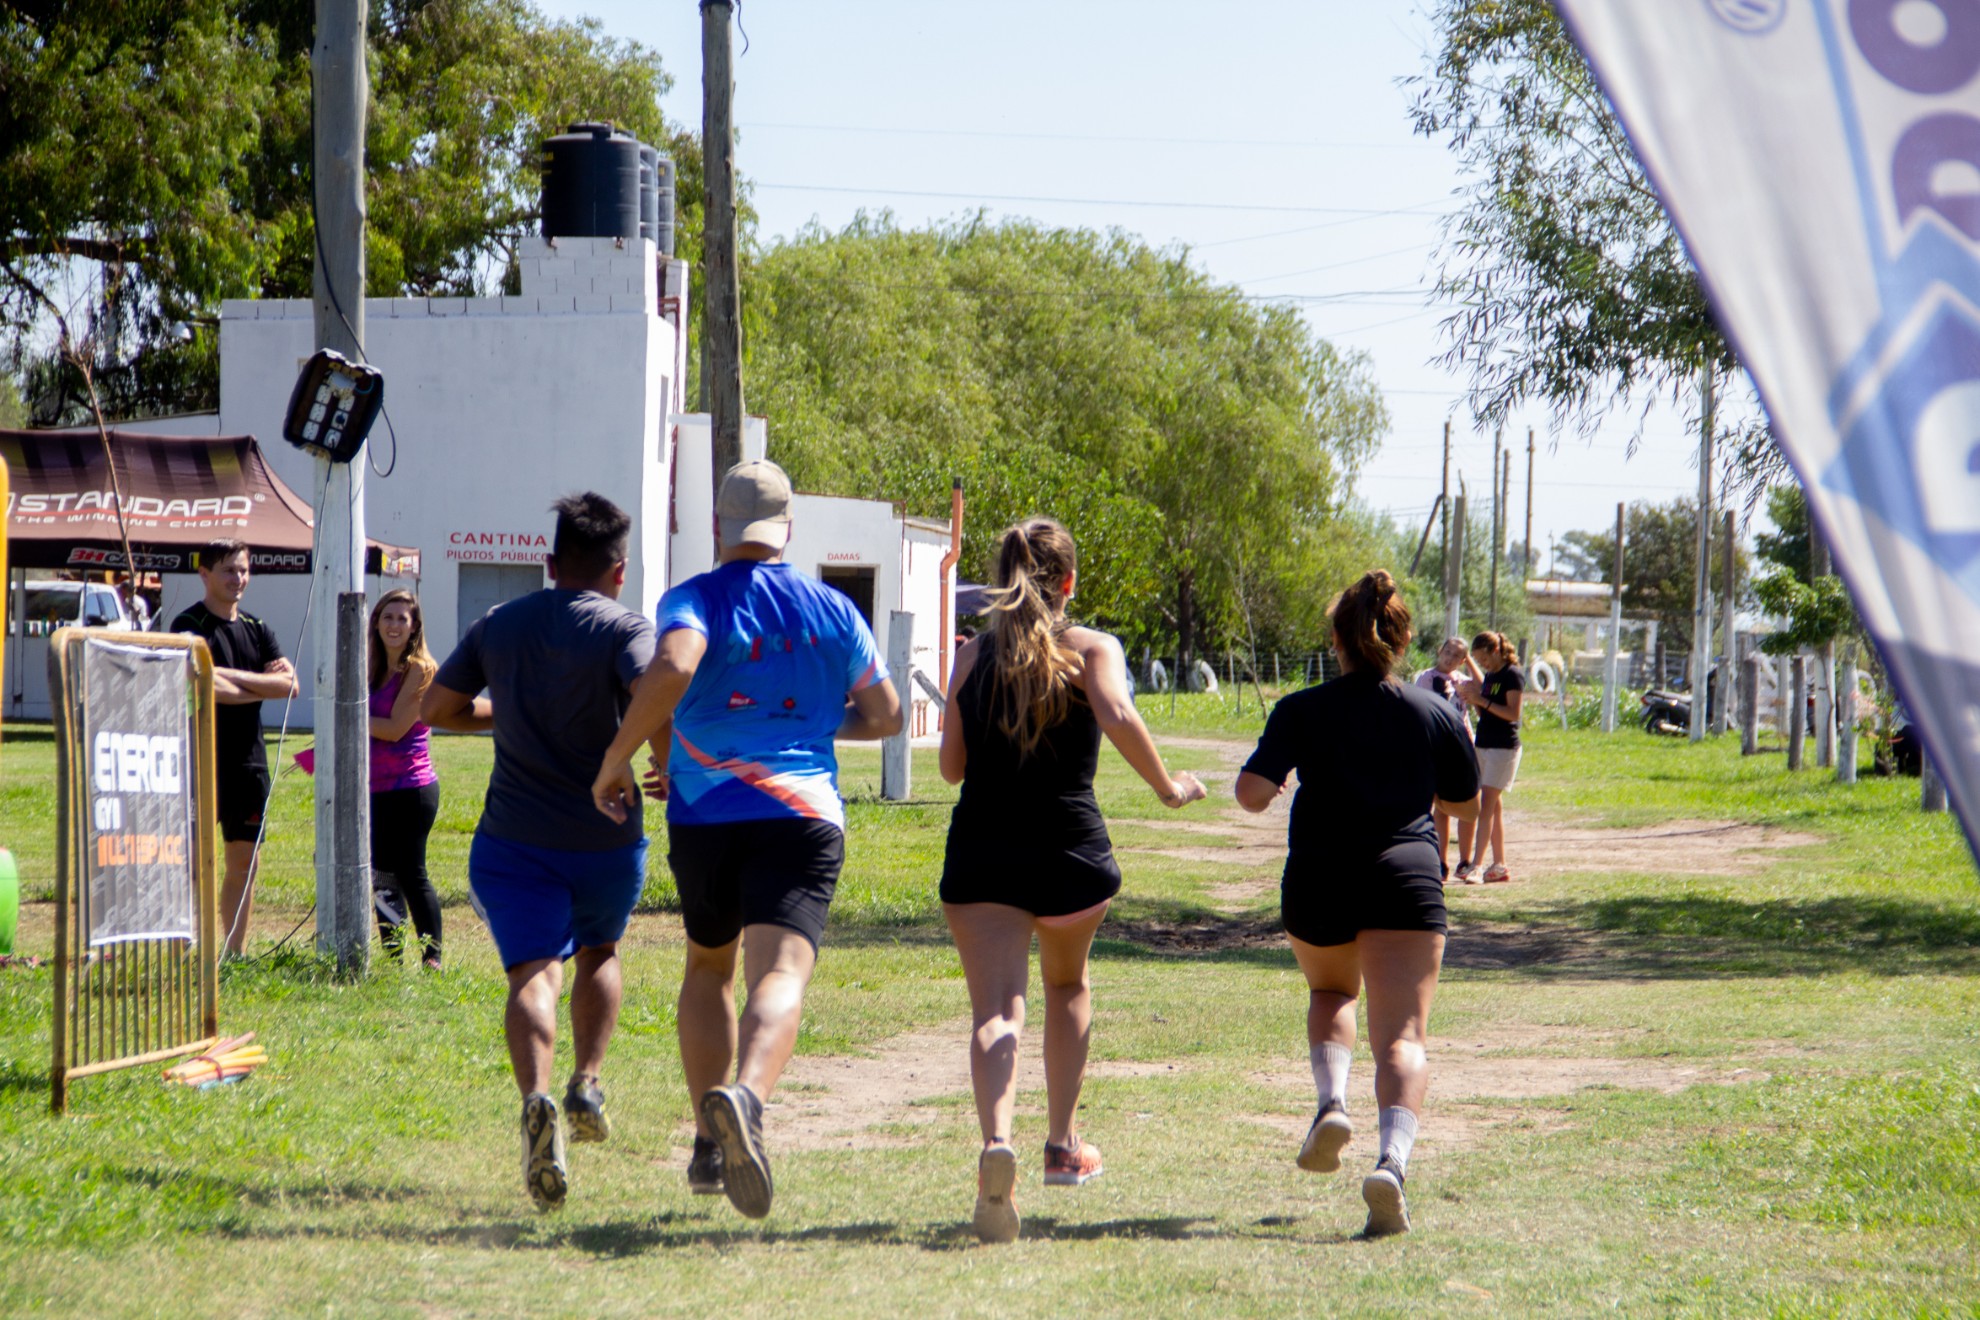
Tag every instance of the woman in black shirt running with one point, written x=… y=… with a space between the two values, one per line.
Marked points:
x=1028 y=853
x=1363 y=898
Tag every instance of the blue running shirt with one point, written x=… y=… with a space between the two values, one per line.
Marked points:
x=753 y=733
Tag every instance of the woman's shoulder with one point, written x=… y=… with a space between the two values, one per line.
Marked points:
x=1090 y=641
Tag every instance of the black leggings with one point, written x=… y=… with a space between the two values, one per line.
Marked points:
x=401 y=818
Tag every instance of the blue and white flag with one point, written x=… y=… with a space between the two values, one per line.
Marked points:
x=1821 y=159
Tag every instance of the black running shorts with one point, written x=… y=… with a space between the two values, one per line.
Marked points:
x=779 y=872
x=243 y=794
x=1326 y=902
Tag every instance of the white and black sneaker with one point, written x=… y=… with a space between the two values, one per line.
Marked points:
x=735 y=1116
x=1326 y=1139
x=1388 y=1211
x=704 y=1172
x=584 y=1110
x=544 y=1170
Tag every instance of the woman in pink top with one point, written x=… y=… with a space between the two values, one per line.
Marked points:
x=405 y=793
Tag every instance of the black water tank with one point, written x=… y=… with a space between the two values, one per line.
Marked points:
x=649 y=192
x=663 y=190
x=591 y=184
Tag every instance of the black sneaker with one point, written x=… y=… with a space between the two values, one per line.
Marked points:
x=1466 y=874
x=1329 y=1135
x=543 y=1151
x=584 y=1111
x=1388 y=1212
x=735 y=1116
x=705 y=1168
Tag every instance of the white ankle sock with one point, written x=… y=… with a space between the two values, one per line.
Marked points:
x=1330 y=1072
x=1398 y=1128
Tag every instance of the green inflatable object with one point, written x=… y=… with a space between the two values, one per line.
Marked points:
x=10 y=899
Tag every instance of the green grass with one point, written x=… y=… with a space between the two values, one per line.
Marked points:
x=370 y=1169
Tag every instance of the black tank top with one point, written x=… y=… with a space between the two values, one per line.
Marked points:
x=1038 y=806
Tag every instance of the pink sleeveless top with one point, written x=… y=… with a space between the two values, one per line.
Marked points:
x=401 y=764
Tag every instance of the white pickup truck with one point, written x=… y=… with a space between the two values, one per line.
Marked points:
x=42 y=606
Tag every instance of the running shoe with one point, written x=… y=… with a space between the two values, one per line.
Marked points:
x=1466 y=873
x=1069 y=1166
x=543 y=1151
x=705 y=1168
x=584 y=1111
x=735 y=1116
x=996 y=1195
x=1497 y=874
x=1329 y=1135
x=1388 y=1212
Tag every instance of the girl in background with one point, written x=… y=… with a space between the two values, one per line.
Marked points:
x=1496 y=697
x=405 y=792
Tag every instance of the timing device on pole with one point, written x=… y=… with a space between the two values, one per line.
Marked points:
x=333 y=406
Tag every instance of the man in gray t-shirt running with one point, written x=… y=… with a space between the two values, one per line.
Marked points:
x=550 y=874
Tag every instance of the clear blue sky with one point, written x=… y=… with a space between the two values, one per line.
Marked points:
x=1271 y=137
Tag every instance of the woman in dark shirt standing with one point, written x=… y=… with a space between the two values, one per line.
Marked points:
x=1028 y=852
x=1497 y=696
x=1363 y=898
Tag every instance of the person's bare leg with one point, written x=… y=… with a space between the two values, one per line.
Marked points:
x=1498 y=827
x=994 y=943
x=595 y=993
x=530 y=1021
x=1333 y=981
x=1443 y=837
x=1400 y=970
x=1467 y=832
x=1486 y=829
x=237 y=894
x=1062 y=967
x=777 y=965
x=705 y=1019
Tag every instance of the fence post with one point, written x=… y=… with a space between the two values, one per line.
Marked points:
x=1931 y=788
x=1561 y=686
x=1749 y=706
x=1825 y=707
x=1797 y=722
x=896 y=754
x=1846 y=723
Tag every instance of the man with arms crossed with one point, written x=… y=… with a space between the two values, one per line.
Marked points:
x=551 y=877
x=248 y=669
x=759 y=668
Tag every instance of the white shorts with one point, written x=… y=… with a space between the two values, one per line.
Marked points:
x=1498 y=767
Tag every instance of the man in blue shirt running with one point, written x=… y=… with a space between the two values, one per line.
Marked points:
x=759 y=668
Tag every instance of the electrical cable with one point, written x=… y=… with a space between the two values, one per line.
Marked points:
x=1364 y=212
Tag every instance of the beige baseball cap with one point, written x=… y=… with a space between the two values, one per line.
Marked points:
x=755 y=505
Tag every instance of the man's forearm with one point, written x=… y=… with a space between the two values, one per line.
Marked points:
x=257 y=687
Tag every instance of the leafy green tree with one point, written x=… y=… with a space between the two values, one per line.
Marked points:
x=1814 y=609
x=1191 y=439
x=156 y=153
x=1660 y=562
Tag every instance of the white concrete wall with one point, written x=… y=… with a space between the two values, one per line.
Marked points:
x=693 y=549
x=500 y=405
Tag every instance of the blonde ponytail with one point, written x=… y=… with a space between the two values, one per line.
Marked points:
x=1027 y=615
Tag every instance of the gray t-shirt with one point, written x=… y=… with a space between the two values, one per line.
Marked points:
x=558 y=666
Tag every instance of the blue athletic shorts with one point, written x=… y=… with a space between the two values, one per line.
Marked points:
x=550 y=902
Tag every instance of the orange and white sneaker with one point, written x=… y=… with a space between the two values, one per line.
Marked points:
x=1497 y=874
x=1069 y=1166
x=996 y=1195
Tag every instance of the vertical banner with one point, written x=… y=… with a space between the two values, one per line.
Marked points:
x=134 y=711
x=1821 y=159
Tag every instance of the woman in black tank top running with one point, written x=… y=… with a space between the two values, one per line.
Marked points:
x=1028 y=853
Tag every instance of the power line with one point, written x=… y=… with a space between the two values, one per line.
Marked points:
x=1338 y=265
x=1362 y=212
x=895 y=131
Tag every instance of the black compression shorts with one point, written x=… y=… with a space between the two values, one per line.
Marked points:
x=1325 y=903
x=243 y=794
x=780 y=872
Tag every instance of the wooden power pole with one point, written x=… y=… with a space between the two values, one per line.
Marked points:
x=721 y=322
x=1701 y=594
x=1444 y=500
x=343 y=807
x=1526 y=550
x=1498 y=526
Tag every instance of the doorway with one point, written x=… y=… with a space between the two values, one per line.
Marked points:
x=484 y=586
x=856 y=583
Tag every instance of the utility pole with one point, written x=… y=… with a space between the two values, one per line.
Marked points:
x=1701 y=592
x=1444 y=498
x=1728 y=643
x=1492 y=593
x=1611 y=681
x=1526 y=553
x=1454 y=569
x=1825 y=657
x=343 y=824
x=1505 y=525
x=721 y=324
